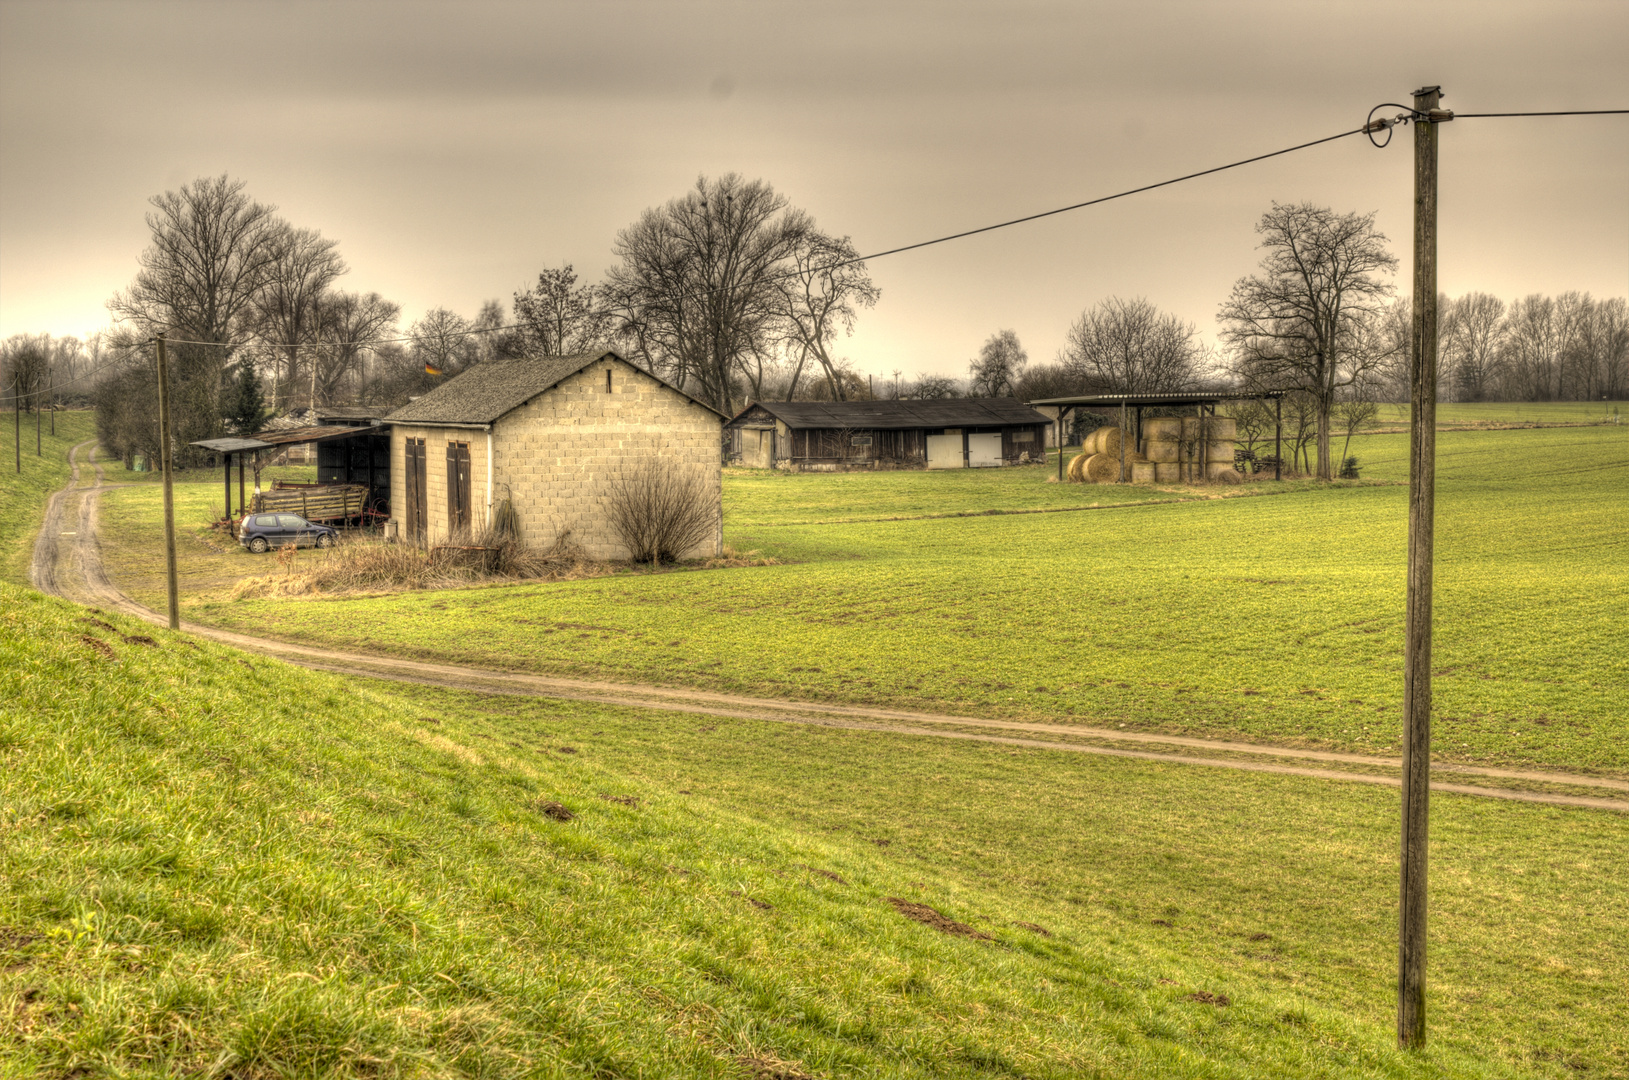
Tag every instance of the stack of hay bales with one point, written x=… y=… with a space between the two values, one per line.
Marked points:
x=1100 y=456
x=1190 y=448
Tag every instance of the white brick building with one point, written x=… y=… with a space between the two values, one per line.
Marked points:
x=551 y=435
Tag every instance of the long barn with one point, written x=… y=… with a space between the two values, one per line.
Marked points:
x=830 y=436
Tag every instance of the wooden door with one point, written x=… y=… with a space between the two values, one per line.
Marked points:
x=457 y=487
x=416 y=507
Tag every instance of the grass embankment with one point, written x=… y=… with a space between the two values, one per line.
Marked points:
x=23 y=494
x=1273 y=618
x=225 y=865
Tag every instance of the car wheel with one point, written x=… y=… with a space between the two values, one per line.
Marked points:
x=258 y=545
x=325 y=540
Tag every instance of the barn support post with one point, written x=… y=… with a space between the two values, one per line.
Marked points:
x=241 y=503
x=1058 y=438
x=226 y=460
x=1411 y=938
x=1122 y=441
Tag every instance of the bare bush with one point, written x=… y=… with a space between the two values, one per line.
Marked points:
x=662 y=510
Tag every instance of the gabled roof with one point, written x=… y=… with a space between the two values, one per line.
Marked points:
x=487 y=391
x=946 y=412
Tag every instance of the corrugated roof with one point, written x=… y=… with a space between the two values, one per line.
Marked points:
x=1116 y=400
x=319 y=433
x=231 y=445
x=948 y=412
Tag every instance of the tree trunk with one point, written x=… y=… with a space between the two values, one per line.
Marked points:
x=1324 y=409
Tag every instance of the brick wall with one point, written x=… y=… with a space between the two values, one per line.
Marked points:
x=558 y=456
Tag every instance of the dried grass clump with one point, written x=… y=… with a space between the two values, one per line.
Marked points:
x=730 y=558
x=375 y=566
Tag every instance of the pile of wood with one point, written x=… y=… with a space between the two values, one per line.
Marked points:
x=314 y=502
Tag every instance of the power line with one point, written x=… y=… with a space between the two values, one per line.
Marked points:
x=1566 y=112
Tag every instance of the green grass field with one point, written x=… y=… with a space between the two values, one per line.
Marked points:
x=1277 y=617
x=224 y=865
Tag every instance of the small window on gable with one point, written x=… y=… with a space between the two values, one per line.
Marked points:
x=607 y=380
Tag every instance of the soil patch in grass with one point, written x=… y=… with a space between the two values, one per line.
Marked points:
x=941 y=922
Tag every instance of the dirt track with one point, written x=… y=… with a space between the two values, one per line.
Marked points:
x=75 y=572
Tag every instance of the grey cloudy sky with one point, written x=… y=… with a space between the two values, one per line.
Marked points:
x=454 y=149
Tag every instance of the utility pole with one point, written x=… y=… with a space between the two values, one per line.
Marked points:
x=17 y=418
x=169 y=491
x=1422 y=474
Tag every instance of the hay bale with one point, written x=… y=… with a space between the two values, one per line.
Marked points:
x=1162 y=429
x=1142 y=472
x=1167 y=472
x=1191 y=428
x=1076 y=464
x=1101 y=469
x=1223 y=429
x=1161 y=450
x=1219 y=470
x=1219 y=450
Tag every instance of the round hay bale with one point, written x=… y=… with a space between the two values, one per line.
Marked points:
x=1167 y=472
x=1161 y=450
x=1162 y=429
x=1220 y=451
x=1224 y=429
x=1076 y=464
x=1142 y=472
x=1191 y=426
x=1101 y=469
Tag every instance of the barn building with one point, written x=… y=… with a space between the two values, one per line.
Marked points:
x=833 y=436
x=551 y=435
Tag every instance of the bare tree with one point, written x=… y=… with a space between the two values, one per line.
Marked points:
x=1131 y=347
x=694 y=294
x=303 y=266
x=820 y=292
x=353 y=326
x=999 y=364
x=441 y=340
x=210 y=252
x=559 y=317
x=1305 y=322
x=1472 y=335
x=934 y=388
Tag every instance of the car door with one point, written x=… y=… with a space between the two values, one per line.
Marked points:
x=297 y=530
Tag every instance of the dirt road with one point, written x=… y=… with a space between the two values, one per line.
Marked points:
x=74 y=571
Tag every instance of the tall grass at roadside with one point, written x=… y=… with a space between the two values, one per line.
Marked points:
x=369 y=564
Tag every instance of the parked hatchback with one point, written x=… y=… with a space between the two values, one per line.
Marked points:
x=261 y=532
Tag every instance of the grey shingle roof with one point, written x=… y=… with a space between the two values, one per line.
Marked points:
x=949 y=412
x=487 y=391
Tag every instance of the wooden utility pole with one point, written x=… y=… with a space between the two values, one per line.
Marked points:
x=17 y=419
x=1422 y=475
x=169 y=491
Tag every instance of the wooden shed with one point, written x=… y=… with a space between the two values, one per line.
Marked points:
x=831 y=436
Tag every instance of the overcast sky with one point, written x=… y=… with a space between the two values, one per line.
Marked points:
x=455 y=149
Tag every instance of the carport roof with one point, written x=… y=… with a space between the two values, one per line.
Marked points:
x=232 y=445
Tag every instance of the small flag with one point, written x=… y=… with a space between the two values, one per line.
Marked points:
x=431 y=369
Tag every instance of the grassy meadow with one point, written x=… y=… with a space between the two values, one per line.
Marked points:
x=1274 y=615
x=218 y=864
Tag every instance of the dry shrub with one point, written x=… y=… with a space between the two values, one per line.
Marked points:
x=375 y=566
x=731 y=558
x=661 y=509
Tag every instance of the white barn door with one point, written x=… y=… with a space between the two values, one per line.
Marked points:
x=983 y=451
x=945 y=451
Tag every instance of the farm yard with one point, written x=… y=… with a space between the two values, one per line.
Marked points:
x=1274 y=617
x=1128 y=899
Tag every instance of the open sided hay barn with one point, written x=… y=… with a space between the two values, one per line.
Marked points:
x=833 y=436
x=554 y=436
